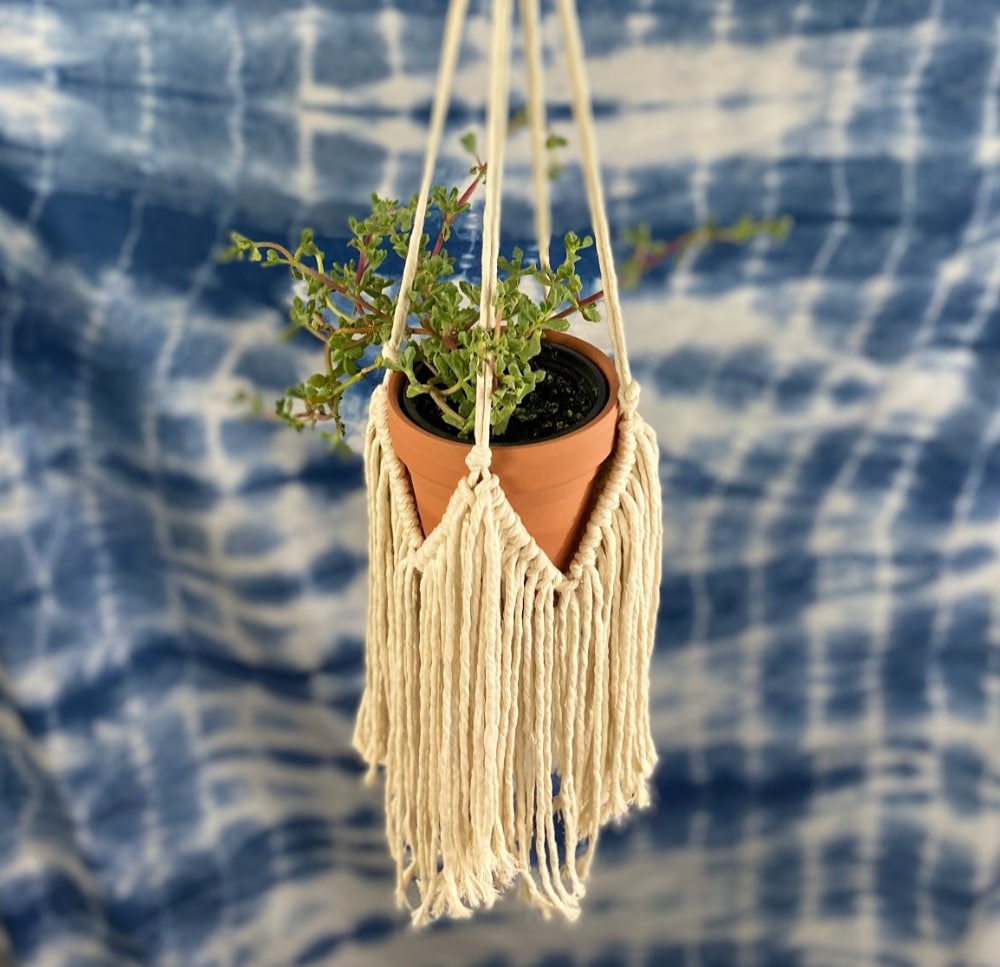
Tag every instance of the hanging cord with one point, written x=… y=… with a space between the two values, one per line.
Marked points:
x=479 y=458
x=536 y=120
x=628 y=392
x=446 y=76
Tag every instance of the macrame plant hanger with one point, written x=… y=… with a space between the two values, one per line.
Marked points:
x=507 y=701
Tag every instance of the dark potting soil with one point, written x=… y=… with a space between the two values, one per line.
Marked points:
x=570 y=395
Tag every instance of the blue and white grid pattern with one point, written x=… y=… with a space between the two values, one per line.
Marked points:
x=182 y=592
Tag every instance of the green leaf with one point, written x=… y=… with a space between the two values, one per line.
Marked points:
x=337 y=443
x=534 y=346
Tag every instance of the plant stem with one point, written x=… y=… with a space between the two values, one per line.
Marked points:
x=315 y=332
x=312 y=416
x=359 y=375
x=356 y=378
x=302 y=267
x=665 y=250
x=569 y=310
x=362 y=264
x=466 y=195
x=359 y=302
x=441 y=402
x=649 y=260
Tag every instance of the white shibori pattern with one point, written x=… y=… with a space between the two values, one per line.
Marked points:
x=182 y=593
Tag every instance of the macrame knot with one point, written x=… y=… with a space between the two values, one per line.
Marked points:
x=628 y=396
x=479 y=459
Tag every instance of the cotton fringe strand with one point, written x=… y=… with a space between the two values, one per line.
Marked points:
x=490 y=673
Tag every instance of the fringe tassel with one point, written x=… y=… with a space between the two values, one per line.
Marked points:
x=489 y=674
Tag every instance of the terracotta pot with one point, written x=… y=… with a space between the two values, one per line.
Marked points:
x=550 y=484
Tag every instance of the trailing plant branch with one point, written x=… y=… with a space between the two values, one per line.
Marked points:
x=285 y=257
x=647 y=254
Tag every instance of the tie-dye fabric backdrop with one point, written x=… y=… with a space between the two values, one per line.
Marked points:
x=182 y=591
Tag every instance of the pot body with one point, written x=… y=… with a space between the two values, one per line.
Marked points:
x=550 y=484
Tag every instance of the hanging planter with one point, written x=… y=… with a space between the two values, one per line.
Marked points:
x=514 y=523
x=513 y=600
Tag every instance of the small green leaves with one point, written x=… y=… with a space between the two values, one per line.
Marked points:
x=240 y=246
x=779 y=228
x=747 y=228
x=349 y=306
x=307 y=246
x=337 y=443
x=250 y=402
x=519 y=119
x=468 y=141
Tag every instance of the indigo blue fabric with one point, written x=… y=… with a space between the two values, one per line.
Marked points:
x=182 y=591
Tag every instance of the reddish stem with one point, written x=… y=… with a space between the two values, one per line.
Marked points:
x=569 y=310
x=465 y=196
x=362 y=264
x=646 y=262
x=359 y=303
x=665 y=251
x=304 y=269
x=312 y=416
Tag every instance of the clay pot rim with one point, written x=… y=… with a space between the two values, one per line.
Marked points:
x=582 y=346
